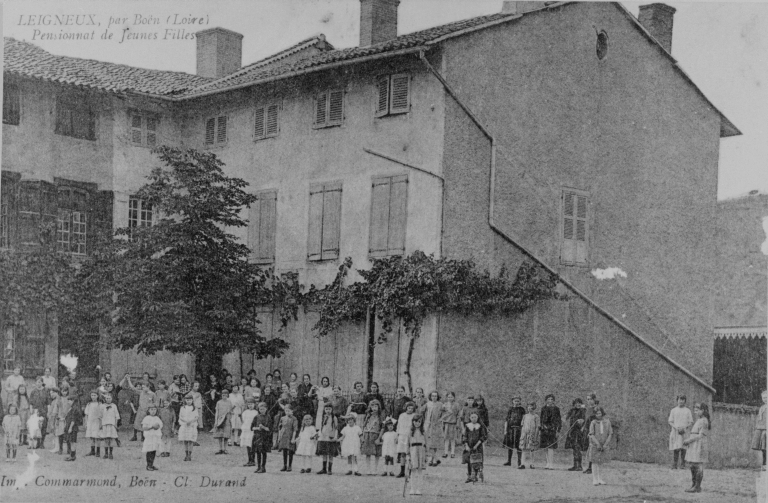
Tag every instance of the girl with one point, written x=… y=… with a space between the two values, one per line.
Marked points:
x=373 y=422
x=166 y=415
x=304 y=393
x=284 y=400
x=474 y=436
x=449 y=416
x=109 y=418
x=197 y=401
x=529 y=434
x=698 y=446
x=417 y=452
x=270 y=399
x=246 y=437
x=262 y=437
x=189 y=419
x=11 y=431
x=482 y=411
x=388 y=441
x=33 y=428
x=589 y=415
x=59 y=409
x=403 y=432
x=93 y=424
x=600 y=434
x=339 y=403
x=286 y=438
x=294 y=382
x=357 y=402
x=268 y=381
x=39 y=398
x=574 y=440
x=323 y=393
x=175 y=390
x=72 y=422
x=680 y=419
x=512 y=428
x=758 y=438
x=398 y=404
x=146 y=397
x=151 y=426
x=551 y=423
x=211 y=397
x=277 y=379
x=373 y=394
x=420 y=400
x=253 y=390
x=21 y=400
x=327 y=445
x=433 y=427
x=350 y=443
x=222 y=424
x=306 y=445
x=238 y=405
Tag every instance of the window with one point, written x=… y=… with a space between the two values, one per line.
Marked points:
x=36 y=205
x=262 y=220
x=266 y=122
x=5 y=221
x=329 y=108
x=139 y=213
x=393 y=94
x=143 y=128
x=72 y=220
x=324 y=221
x=575 y=228
x=24 y=345
x=216 y=130
x=389 y=200
x=75 y=118
x=11 y=104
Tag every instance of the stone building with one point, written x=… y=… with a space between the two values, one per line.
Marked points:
x=560 y=133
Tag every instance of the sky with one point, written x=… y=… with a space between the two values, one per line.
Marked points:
x=722 y=46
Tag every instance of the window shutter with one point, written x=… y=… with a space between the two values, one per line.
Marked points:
x=100 y=209
x=321 y=103
x=568 y=246
x=259 y=129
x=29 y=206
x=152 y=123
x=136 y=128
x=581 y=229
x=331 y=221
x=380 y=195
x=336 y=107
x=210 y=131
x=254 y=227
x=221 y=129
x=63 y=118
x=399 y=101
x=272 y=120
x=11 y=104
x=315 y=235
x=398 y=209
x=267 y=226
x=382 y=95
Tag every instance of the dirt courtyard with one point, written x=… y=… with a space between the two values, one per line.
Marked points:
x=177 y=481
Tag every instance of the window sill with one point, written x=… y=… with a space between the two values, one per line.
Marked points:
x=326 y=126
x=262 y=138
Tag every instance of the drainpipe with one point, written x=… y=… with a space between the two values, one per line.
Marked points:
x=570 y=286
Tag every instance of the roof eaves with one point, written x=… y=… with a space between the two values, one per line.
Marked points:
x=307 y=42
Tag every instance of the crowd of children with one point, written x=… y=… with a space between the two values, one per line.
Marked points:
x=309 y=421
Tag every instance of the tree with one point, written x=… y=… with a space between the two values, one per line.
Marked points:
x=185 y=284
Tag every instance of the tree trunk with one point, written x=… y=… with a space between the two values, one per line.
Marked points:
x=408 y=364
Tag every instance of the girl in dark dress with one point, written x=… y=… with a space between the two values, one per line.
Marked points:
x=373 y=394
x=304 y=395
x=512 y=428
x=262 y=437
x=210 y=397
x=482 y=411
x=575 y=439
x=474 y=436
x=551 y=423
x=357 y=400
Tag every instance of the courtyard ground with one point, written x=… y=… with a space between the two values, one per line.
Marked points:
x=186 y=482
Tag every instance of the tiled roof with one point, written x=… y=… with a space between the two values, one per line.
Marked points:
x=317 y=41
x=29 y=60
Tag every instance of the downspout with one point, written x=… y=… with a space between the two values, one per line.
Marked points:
x=532 y=255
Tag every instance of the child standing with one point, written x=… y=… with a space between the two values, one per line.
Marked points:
x=600 y=434
x=151 y=427
x=327 y=444
x=433 y=427
x=388 y=443
x=238 y=405
x=262 y=437
x=306 y=445
x=449 y=418
x=93 y=424
x=222 y=424
x=72 y=422
x=403 y=433
x=109 y=418
x=513 y=428
x=59 y=409
x=189 y=417
x=698 y=446
x=350 y=443
x=166 y=414
x=551 y=423
x=246 y=437
x=11 y=432
x=574 y=439
x=758 y=438
x=475 y=434
x=529 y=434
x=286 y=437
x=680 y=419
x=418 y=453
x=33 y=429
x=146 y=397
x=21 y=400
x=372 y=424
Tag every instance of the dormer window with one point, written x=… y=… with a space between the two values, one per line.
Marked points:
x=393 y=94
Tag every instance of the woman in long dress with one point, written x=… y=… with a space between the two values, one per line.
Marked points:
x=433 y=427
x=323 y=393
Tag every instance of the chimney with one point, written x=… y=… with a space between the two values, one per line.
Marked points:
x=657 y=18
x=378 y=21
x=513 y=7
x=219 y=52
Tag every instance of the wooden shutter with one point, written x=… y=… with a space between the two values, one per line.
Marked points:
x=11 y=104
x=581 y=229
x=331 y=221
x=398 y=209
x=336 y=107
x=568 y=253
x=399 y=101
x=221 y=129
x=315 y=235
x=575 y=238
x=136 y=130
x=259 y=127
x=210 y=131
x=101 y=211
x=379 y=232
x=254 y=227
x=272 y=120
x=265 y=251
x=321 y=104
x=63 y=118
x=382 y=95
x=152 y=122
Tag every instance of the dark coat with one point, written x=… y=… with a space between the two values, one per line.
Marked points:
x=576 y=438
x=551 y=423
x=262 y=439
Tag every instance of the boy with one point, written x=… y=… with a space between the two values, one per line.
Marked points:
x=680 y=419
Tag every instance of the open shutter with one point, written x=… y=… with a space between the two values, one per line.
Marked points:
x=581 y=229
x=254 y=228
x=101 y=211
x=135 y=120
x=315 y=235
x=272 y=120
x=382 y=95
x=331 y=221
x=398 y=209
x=210 y=131
x=399 y=101
x=267 y=226
x=152 y=123
x=321 y=104
x=336 y=107
x=259 y=127
x=568 y=248
x=380 y=194
x=221 y=129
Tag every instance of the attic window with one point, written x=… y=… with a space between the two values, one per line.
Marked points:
x=602 y=45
